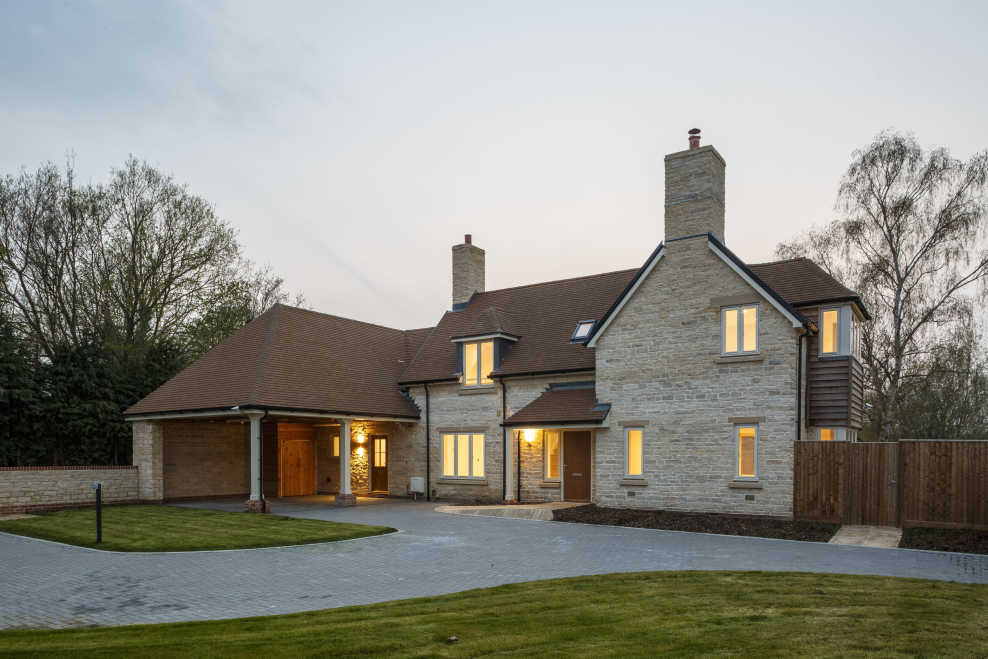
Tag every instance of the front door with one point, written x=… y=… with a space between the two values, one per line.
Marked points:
x=296 y=467
x=576 y=465
x=379 y=464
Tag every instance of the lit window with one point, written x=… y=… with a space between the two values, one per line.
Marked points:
x=551 y=448
x=336 y=446
x=747 y=451
x=840 y=332
x=634 y=452
x=739 y=327
x=463 y=455
x=582 y=330
x=478 y=362
x=380 y=452
x=833 y=434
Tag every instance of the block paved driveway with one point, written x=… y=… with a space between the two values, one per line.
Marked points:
x=44 y=584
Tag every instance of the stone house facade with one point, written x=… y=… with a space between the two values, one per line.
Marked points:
x=681 y=384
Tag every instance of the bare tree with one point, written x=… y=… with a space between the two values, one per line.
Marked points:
x=911 y=239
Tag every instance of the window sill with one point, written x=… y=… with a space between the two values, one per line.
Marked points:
x=480 y=389
x=738 y=359
x=463 y=481
x=745 y=485
x=833 y=358
x=633 y=482
x=549 y=485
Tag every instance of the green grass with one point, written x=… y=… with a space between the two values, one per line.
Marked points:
x=169 y=528
x=645 y=614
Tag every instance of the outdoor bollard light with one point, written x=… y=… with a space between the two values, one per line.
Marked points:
x=99 y=512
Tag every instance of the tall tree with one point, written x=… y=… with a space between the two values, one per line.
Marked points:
x=910 y=238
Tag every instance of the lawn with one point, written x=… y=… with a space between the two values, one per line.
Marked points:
x=169 y=528
x=644 y=614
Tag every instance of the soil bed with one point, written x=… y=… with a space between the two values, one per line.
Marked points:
x=762 y=527
x=965 y=540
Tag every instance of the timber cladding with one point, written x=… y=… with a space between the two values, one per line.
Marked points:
x=908 y=483
x=834 y=385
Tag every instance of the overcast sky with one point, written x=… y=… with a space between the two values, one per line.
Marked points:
x=352 y=144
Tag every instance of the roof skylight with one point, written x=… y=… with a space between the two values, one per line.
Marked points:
x=582 y=330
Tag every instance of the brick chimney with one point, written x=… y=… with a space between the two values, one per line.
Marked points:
x=695 y=191
x=468 y=271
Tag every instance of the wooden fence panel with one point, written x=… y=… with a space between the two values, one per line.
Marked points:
x=945 y=483
x=819 y=481
x=871 y=487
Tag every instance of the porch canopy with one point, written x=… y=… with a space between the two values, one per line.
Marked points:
x=560 y=405
x=293 y=362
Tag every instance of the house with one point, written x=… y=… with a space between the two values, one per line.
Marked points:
x=681 y=384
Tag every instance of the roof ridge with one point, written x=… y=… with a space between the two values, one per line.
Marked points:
x=559 y=281
x=330 y=315
x=797 y=258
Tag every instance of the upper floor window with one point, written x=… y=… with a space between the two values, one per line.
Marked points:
x=840 y=333
x=739 y=329
x=478 y=362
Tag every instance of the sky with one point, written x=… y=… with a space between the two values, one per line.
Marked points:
x=352 y=144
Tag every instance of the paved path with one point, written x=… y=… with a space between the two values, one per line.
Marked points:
x=868 y=536
x=44 y=584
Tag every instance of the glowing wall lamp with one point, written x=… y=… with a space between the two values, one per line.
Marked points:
x=361 y=439
x=528 y=434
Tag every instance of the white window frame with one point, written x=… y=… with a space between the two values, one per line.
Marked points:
x=840 y=434
x=737 y=452
x=480 y=364
x=723 y=329
x=456 y=461
x=545 y=455
x=848 y=338
x=627 y=435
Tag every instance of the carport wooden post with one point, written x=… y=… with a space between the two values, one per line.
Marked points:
x=345 y=496
x=254 y=504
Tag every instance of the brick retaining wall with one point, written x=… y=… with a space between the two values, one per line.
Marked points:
x=28 y=489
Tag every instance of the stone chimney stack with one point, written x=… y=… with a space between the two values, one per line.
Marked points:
x=695 y=191
x=468 y=271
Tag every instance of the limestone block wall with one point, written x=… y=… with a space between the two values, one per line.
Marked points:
x=659 y=366
x=148 y=457
x=205 y=459
x=406 y=455
x=27 y=489
x=454 y=408
x=534 y=487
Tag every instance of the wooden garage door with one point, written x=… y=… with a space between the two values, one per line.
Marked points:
x=297 y=460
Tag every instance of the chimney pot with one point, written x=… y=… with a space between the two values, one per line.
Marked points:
x=694 y=138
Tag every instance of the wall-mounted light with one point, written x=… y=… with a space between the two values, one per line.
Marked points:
x=360 y=451
x=361 y=439
x=528 y=434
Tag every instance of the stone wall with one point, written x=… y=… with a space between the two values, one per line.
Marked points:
x=27 y=489
x=206 y=459
x=659 y=366
x=454 y=408
x=534 y=486
x=147 y=456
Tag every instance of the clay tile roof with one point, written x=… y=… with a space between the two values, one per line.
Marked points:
x=295 y=359
x=801 y=280
x=558 y=406
x=543 y=316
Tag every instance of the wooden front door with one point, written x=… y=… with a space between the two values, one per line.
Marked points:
x=296 y=465
x=576 y=465
x=379 y=464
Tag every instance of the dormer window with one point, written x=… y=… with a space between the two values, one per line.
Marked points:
x=582 y=331
x=739 y=330
x=478 y=362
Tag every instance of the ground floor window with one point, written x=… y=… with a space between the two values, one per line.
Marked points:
x=746 y=439
x=336 y=446
x=634 y=452
x=463 y=455
x=837 y=435
x=551 y=450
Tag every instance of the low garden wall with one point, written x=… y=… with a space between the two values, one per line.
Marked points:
x=27 y=489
